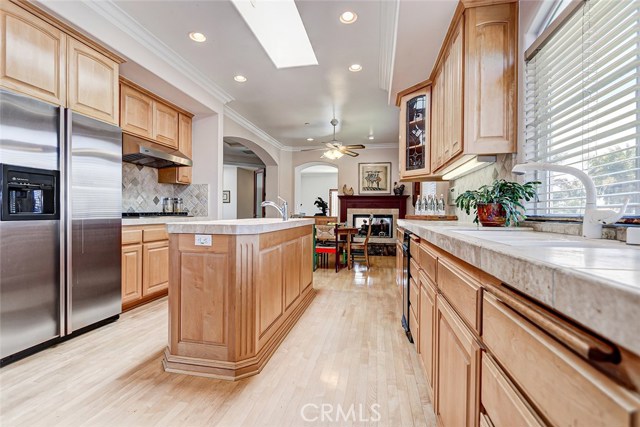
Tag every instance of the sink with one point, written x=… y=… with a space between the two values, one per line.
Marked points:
x=521 y=237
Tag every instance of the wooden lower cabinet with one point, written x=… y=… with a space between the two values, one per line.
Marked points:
x=131 y=273
x=145 y=264
x=156 y=267
x=458 y=370
x=427 y=328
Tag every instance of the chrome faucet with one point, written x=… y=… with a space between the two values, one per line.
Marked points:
x=282 y=210
x=594 y=218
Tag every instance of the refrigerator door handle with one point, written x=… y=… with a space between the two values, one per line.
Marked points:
x=62 y=188
x=68 y=216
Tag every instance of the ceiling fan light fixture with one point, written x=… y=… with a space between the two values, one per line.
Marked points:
x=332 y=154
x=355 y=68
x=348 y=17
x=197 y=37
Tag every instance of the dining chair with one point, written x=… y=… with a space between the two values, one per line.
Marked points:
x=361 y=250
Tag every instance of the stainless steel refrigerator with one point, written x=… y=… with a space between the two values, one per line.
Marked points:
x=60 y=227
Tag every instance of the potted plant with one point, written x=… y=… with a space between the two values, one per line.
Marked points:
x=498 y=204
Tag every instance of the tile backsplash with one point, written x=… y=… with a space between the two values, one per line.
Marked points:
x=141 y=192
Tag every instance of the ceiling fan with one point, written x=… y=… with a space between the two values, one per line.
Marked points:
x=335 y=149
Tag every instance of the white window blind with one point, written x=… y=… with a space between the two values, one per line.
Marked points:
x=582 y=99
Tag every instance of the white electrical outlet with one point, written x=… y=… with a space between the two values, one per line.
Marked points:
x=203 y=240
x=453 y=195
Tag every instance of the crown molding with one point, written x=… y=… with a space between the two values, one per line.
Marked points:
x=245 y=123
x=389 y=11
x=119 y=18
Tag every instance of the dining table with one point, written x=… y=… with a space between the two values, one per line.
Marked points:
x=346 y=232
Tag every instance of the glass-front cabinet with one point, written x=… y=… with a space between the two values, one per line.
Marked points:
x=415 y=132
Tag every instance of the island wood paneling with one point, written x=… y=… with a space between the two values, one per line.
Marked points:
x=233 y=302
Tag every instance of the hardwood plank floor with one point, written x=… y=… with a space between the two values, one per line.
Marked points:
x=348 y=352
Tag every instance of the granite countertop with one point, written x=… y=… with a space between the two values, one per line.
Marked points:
x=149 y=220
x=236 y=226
x=594 y=281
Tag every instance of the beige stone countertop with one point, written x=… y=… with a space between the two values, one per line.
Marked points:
x=237 y=226
x=150 y=220
x=594 y=281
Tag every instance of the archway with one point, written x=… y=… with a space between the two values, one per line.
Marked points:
x=312 y=180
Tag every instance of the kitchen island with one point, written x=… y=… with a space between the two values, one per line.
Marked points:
x=237 y=287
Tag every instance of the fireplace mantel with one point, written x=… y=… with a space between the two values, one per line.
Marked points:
x=372 y=202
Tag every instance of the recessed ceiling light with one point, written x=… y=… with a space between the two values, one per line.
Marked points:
x=279 y=29
x=371 y=137
x=197 y=37
x=355 y=68
x=309 y=139
x=348 y=17
x=240 y=79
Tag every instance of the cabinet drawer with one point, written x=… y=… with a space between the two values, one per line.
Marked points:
x=414 y=269
x=462 y=291
x=564 y=388
x=152 y=234
x=503 y=402
x=131 y=236
x=414 y=295
x=428 y=261
x=414 y=248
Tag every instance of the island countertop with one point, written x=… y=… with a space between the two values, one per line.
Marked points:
x=594 y=281
x=237 y=226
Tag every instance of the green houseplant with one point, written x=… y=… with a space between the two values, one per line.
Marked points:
x=498 y=204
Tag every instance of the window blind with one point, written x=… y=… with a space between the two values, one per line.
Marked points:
x=582 y=99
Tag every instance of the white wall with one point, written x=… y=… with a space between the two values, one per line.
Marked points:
x=230 y=183
x=314 y=185
x=207 y=155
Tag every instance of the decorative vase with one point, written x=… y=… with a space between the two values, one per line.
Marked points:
x=491 y=214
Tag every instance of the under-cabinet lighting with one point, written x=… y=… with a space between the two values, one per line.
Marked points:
x=197 y=37
x=279 y=29
x=348 y=17
x=471 y=165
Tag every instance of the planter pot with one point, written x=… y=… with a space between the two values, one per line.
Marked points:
x=491 y=214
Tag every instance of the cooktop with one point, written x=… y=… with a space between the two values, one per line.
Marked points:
x=146 y=214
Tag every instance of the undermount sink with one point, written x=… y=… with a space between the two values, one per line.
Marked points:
x=527 y=237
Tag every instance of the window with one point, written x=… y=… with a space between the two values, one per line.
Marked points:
x=582 y=95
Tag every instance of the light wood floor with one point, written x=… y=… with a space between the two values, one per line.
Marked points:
x=347 y=349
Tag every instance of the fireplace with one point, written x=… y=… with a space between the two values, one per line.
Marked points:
x=381 y=227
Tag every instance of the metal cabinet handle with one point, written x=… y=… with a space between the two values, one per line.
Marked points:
x=579 y=341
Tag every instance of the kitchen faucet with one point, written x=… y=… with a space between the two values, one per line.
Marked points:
x=593 y=218
x=282 y=210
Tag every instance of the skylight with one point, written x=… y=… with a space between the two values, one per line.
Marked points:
x=279 y=29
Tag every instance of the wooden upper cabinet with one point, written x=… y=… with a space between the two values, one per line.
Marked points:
x=437 y=122
x=33 y=55
x=491 y=86
x=453 y=95
x=415 y=133
x=185 y=135
x=136 y=112
x=165 y=125
x=92 y=83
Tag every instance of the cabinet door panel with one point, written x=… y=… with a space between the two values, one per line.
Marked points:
x=427 y=327
x=415 y=133
x=490 y=87
x=458 y=370
x=270 y=292
x=93 y=83
x=131 y=273
x=136 y=112
x=165 y=125
x=156 y=268
x=33 y=55
x=291 y=251
x=306 y=272
x=185 y=135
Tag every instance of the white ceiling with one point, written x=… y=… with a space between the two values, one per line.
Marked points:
x=280 y=102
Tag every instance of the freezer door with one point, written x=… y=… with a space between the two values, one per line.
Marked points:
x=29 y=284
x=94 y=205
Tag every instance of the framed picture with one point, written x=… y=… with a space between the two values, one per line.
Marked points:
x=226 y=196
x=374 y=178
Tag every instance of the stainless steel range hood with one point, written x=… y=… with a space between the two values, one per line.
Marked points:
x=144 y=153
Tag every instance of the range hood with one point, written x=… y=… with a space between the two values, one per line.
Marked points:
x=144 y=153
